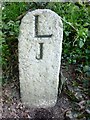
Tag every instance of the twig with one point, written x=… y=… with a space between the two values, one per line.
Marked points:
x=69 y=24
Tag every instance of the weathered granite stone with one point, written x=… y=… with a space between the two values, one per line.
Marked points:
x=40 y=46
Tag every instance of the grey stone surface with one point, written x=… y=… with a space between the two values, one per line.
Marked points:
x=40 y=46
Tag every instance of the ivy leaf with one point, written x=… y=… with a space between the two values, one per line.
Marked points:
x=81 y=43
x=86 y=68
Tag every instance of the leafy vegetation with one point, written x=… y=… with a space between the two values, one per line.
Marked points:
x=75 y=17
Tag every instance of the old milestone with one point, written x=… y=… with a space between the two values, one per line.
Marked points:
x=40 y=48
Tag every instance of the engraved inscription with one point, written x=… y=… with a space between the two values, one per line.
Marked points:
x=40 y=56
x=36 y=29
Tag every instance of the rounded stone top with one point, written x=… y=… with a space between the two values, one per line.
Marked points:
x=48 y=12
